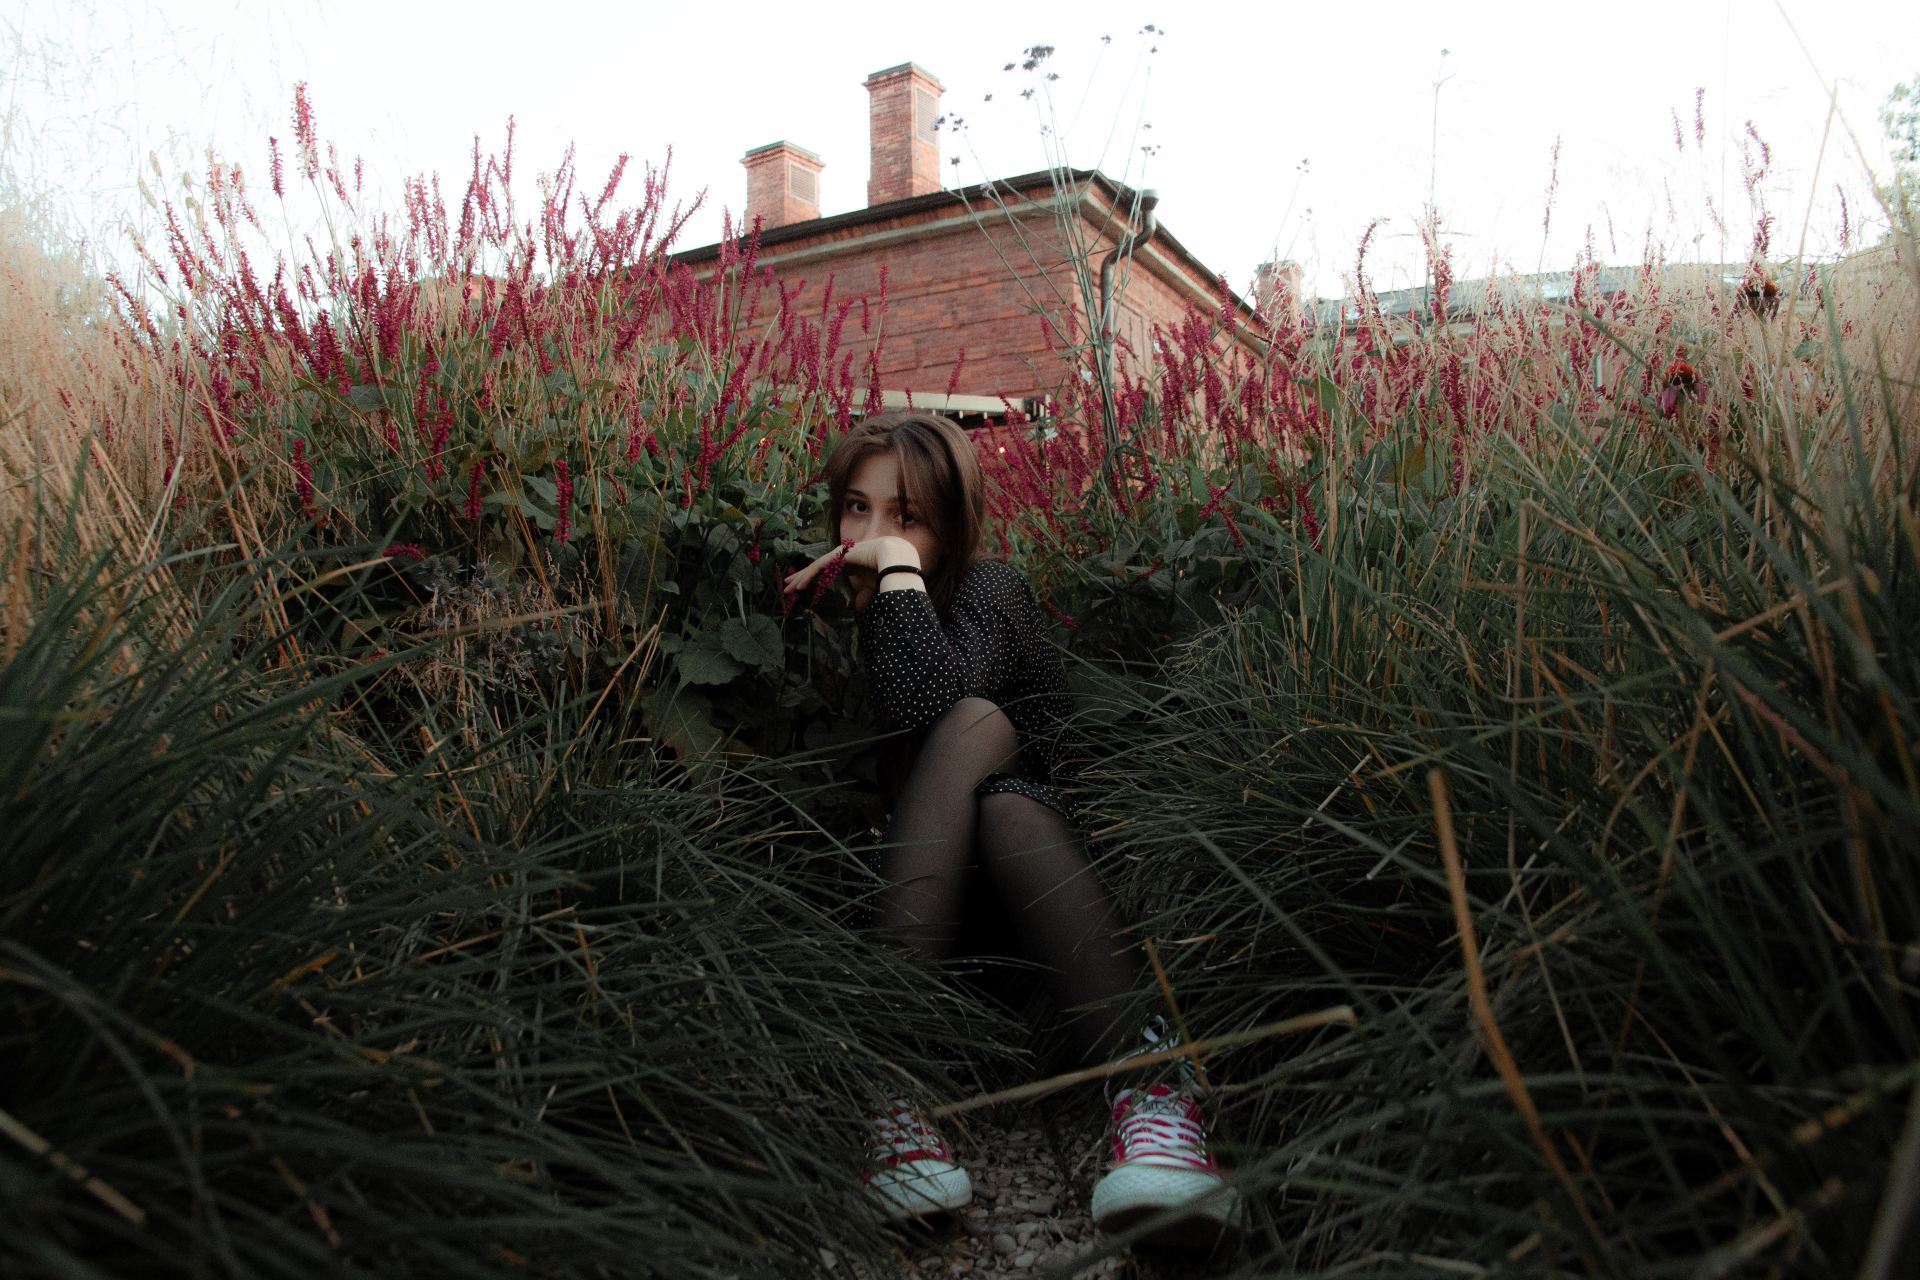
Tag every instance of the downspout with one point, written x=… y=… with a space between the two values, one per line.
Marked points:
x=1146 y=201
x=1133 y=240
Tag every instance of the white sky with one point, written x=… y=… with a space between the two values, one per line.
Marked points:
x=1237 y=96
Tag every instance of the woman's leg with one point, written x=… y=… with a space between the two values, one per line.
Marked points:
x=1036 y=860
x=935 y=817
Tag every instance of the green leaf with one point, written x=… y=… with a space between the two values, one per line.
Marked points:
x=1412 y=467
x=683 y=719
x=1326 y=393
x=367 y=398
x=755 y=641
x=703 y=662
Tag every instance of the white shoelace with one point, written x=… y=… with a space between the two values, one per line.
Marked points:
x=1163 y=1122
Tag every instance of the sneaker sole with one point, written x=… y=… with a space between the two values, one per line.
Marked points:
x=1132 y=1194
x=920 y=1188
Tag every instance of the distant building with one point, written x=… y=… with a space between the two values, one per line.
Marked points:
x=984 y=268
x=1468 y=299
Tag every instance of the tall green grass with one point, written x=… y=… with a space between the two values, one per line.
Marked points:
x=368 y=916
x=295 y=989
x=1668 y=710
x=332 y=943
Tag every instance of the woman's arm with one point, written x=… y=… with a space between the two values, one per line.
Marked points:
x=918 y=667
x=863 y=560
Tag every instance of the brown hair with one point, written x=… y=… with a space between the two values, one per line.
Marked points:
x=939 y=478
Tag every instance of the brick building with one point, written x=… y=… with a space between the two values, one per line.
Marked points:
x=984 y=269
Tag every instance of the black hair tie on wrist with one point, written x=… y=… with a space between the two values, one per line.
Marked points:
x=897 y=568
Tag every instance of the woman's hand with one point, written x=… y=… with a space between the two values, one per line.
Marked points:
x=860 y=560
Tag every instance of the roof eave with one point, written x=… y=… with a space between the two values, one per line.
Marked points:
x=1117 y=192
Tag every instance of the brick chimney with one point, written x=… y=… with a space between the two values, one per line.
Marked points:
x=1276 y=289
x=783 y=185
x=903 y=103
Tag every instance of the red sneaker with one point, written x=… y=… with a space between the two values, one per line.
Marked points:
x=911 y=1171
x=1160 y=1161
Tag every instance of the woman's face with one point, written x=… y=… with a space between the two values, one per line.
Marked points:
x=873 y=508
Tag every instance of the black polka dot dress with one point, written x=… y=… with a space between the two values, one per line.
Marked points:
x=990 y=646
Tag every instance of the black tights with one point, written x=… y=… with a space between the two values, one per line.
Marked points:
x=1032 y=856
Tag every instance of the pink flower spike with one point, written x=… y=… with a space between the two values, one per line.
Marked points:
x=563 y=482
x=830 y=574
x=303 y=478
x=473 y=489
x=1309 y=518
x=305 y=138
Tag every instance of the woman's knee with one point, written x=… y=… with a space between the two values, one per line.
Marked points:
x=1018 y=827
x=1003 y=812
x=980 y=727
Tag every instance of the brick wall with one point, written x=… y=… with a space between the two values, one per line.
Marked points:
x=954 y=284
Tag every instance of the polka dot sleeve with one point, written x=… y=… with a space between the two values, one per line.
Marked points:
x=918 y=667
x=991 y=645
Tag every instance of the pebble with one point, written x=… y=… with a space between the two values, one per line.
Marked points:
x=1030 y=1200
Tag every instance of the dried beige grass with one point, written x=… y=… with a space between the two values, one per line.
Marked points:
x=79 y=418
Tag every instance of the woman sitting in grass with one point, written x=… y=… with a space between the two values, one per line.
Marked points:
x=954 y=651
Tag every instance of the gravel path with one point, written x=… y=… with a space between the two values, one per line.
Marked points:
x=1033 y=1168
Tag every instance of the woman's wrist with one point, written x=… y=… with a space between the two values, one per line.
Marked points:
x=902 y=577
x=899 y=568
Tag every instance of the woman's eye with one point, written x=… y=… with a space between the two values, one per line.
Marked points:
x=856 y=506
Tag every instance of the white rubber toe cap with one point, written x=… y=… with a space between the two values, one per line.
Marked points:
x=1131 y=1193
x=920 y=1187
